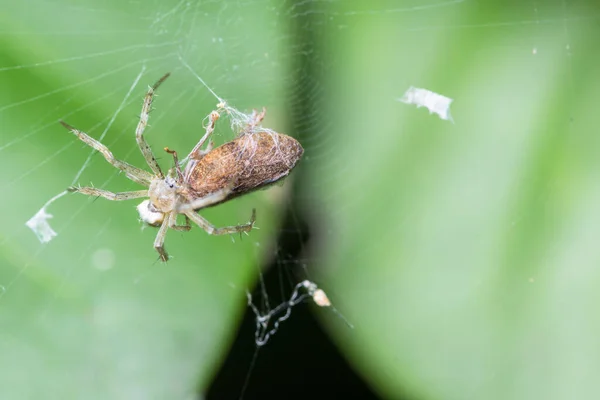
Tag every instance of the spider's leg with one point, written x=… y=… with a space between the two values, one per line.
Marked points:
x=160 y=239
x=173 y=224
x=212 y=230
x=196 y=152
x=135 y=174
x=139 y=131
x=109 y=195
x=196 y=204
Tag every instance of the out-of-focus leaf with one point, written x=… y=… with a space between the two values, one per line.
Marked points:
x=465 y=254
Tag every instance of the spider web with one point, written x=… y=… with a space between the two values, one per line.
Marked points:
x=96 y=289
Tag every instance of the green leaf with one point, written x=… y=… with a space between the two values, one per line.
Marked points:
x=465 y=254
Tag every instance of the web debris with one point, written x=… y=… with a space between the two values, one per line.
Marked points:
x=241 y=123
x=434 y=102
x=263 y=321
x=39 y=222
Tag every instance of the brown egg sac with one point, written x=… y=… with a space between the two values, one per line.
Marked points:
x=247 y=163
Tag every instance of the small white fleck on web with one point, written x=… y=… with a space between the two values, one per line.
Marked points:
x=434 y=102
x=40 y=226
x=39 y=222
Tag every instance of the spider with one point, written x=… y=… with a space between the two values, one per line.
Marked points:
x=254 y=160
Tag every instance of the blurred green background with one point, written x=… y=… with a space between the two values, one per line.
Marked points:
x=465 y=254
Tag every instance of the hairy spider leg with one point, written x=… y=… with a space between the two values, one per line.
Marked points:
x=169 y=221
x=159 y=241
x=208 y=200
x=90 y=191
x=135 y=174
x=196 y=152
x=176 y=227
x=212 y=230
x=139 y=132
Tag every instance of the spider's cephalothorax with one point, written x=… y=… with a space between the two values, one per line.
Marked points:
x=163 y=194
x=257 y=158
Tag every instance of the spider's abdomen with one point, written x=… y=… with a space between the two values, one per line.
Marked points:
x=247 y=163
